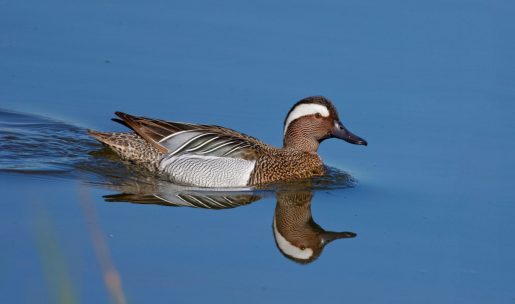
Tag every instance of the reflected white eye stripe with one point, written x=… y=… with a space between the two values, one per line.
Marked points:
x=305 y=109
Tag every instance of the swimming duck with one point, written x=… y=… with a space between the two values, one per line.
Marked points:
x=214 y=156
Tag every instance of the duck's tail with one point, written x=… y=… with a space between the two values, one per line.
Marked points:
x=103 y=137
x=118 y=142
x=129 y=146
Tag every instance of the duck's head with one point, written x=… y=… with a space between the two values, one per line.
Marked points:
x=312 y=120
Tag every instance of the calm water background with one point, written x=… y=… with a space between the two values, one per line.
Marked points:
x=429 y=84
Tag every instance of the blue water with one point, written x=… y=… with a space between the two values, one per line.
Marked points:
x=430 y=86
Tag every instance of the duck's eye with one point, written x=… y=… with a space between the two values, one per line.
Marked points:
x=302 y=247
x=318 y=115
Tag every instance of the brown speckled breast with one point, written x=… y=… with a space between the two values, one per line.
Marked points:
x=279 y=164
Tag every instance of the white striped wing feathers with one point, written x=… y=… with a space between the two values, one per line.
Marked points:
x=203 y=142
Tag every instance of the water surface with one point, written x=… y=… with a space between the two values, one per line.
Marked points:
x=428 y=84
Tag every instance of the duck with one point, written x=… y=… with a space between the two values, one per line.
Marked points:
x=218 y=157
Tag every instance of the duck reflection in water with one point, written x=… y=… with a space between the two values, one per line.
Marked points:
x=297 y=236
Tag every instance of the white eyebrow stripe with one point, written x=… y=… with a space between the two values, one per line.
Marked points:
x=305 y=109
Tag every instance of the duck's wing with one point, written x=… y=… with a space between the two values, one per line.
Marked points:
x=178 y=138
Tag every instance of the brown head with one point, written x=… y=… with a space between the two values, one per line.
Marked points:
x=312 y=120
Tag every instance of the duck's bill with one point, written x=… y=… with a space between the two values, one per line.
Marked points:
x=339 y=131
